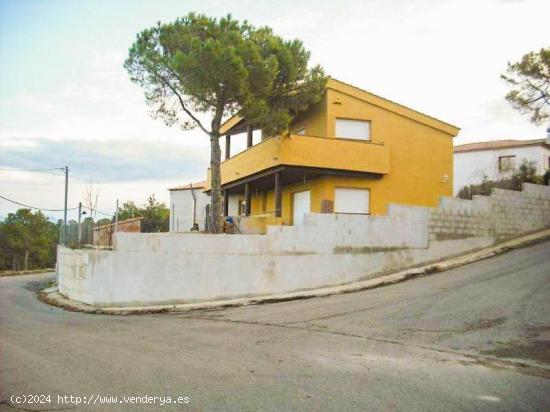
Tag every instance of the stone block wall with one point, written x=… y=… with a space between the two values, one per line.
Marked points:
x=503 y=215
x=516 y=213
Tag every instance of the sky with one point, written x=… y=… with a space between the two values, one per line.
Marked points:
x=66 y=100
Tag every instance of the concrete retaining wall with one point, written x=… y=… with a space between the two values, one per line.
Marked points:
x=330 y=249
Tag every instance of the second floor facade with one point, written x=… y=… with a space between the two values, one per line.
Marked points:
x=349 y=129
x=352 y=152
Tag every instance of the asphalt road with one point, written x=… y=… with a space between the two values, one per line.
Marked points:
x=472 y=338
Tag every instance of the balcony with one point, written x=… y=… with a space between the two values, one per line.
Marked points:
x=344 y=155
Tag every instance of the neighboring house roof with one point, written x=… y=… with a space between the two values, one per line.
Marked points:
x=194 y=185
x=373 y=99
x=498 y=144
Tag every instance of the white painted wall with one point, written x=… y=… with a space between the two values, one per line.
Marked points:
x=471 y=167
x=330 y=249
x=181 y=209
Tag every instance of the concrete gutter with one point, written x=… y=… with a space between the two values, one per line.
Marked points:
x=52 y=296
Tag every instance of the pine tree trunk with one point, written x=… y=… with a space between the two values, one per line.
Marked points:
x=26 y=264
x=215 y=184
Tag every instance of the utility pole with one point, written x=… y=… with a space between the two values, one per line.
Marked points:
x=79 y=235
x=65 y=231
x=116 y=217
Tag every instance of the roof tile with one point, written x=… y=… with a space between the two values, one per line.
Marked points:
x=496 y=144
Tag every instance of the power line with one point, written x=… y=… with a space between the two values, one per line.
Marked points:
x=32 y=170
x=55 y=210
x=97 y=211
x=36 y=208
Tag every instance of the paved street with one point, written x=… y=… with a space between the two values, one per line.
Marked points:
x=473 y=338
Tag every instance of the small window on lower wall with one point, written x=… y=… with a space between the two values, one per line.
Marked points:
x=350 y=200
x=352 y=129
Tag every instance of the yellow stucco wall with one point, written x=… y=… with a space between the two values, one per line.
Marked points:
x=314 y=120
x=420 y=153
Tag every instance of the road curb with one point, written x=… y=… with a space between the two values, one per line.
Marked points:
x=9 y=273
x=53 y=297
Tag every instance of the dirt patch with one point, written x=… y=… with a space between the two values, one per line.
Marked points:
x=468 y=327
x=452 y=236
x=518 y=367
x=483 y=324
x=538 y=351
x=36 y=286
x=366 y=249
x=537 y=347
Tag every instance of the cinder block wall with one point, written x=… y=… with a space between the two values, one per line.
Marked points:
x=330 y=249
x=503 y=215
x=102 y=235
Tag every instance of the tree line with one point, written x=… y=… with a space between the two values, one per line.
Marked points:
x=28 y=240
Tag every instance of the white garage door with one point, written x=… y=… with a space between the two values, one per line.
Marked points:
x=351 y=200
x=300 y=206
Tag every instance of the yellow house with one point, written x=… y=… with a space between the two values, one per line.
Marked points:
x=353 y=152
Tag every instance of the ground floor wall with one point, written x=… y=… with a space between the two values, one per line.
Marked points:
x=329 y=249
x=383 y=191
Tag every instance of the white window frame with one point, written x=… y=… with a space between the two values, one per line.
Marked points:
x=350 y=129
x=363 y=189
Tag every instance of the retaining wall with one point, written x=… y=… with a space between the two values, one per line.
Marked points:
x=330 y=249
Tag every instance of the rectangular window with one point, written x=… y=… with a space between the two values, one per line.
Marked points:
x=301 y=132
x=352 y=129
x=506 y=163
x=349 y=200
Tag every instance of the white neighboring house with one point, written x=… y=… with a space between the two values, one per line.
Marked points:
x=497 y=159
x=188 y=207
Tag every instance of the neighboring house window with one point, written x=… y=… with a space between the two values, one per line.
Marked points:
x=506 y=163
x=352 y=129
x=301 y=132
